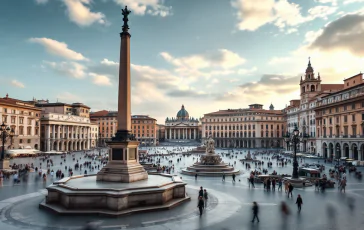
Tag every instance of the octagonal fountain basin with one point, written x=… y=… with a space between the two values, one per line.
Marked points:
x=84 y=195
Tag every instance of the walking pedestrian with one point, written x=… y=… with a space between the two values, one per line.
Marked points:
x=205 y=197
x=196 y=176
x=223 y=176
x=286 y=186
x=279 y=184
x=290 y=189
x=200 y=193
x=299 y=202
x=233 y=177
x=255 y=211
x=200 y=204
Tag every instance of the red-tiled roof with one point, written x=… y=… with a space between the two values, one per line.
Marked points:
x=18 y=103
x=238 y=111
x=333 y=87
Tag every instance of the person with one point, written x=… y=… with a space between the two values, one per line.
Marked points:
x=342 y=185
x=223 y=176
x=255 y=211
x=196 y=176
x=299 y=202
x=280 y=184
x=290 y=189
x=286 y=186
x=200 y=205
x=205 y=197
x=200 y=193
x=233 y=177
x=284 y=209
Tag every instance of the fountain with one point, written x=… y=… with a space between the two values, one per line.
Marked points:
x=210 y=163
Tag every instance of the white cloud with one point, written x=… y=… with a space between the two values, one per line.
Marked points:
x=246 y=71
x=80 y=13
x=141 y=7
x=68 y=97
x=41 y=1
x=17 y=84
x=352 y=1
x=58 y=49
x=71 y=69
x=254 y=14
x=332 y=2
x=222 y=58
x=99 y=79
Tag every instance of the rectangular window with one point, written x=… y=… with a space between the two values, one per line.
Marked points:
x=354 y=130
x=344 y=107
x=353 y=117
x=353 y=106
x=345 y=118
x=337 y=109
x=13 y=120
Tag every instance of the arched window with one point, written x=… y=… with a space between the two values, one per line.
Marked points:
x=312 y=88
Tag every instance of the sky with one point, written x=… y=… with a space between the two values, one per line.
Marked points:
x=205 y=54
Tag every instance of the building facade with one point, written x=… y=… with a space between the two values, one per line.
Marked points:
x=65 y=127
x=340 y=121
x=143 y=127
x=161 y=132
x=24 y=119
x=253 y=127
x=182 y=127
x=301 y=113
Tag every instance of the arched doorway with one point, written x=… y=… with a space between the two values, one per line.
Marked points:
x=346 y=150
x=331 y=151
x=324 y=150
x=354 y=148
x=55 y=145
x=36 y=146
x=337 y=151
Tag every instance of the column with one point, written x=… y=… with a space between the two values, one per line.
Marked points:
x=183 y=133
x=170 y=133
x=351 y=155
x=59 y=132
x=53 y=131
x=48 y=136
x=194 y=134
x=179 y=134
x=165 y=134
x=190 y=133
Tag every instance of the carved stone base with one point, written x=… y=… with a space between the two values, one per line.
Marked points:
x=118 y=172
x=4 y=164
x=210 y=159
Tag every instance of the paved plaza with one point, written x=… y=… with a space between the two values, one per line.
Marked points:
x=229 y=205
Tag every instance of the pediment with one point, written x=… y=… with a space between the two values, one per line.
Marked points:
x=181 y=125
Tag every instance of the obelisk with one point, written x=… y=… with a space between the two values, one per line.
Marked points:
x=123 y=165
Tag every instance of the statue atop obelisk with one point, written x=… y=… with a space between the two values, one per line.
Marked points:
x=123 y=165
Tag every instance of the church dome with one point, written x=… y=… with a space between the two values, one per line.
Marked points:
x=182 y=114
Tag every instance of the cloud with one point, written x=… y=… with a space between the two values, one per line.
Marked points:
x=345 y=33
x=332 y=2
x=151 y=7
x=68 y=97
x=220 y=58
x=101 y=80
x=188 y=93
x=71 y=69
x=58 y=49
x=17 y=84
x=79 y=12
x=41 y=1
x=352 y=1
x=254 y=14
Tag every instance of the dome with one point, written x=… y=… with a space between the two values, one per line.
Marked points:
x=182 y=114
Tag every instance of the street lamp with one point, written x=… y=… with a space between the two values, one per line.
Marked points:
x=295 y=139
x=5 y=132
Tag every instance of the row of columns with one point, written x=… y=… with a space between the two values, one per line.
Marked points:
x=247 y=143
x=73 y=132
x=181 y=133
x=49 y=145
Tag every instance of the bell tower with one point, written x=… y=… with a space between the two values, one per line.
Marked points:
x=310 y=85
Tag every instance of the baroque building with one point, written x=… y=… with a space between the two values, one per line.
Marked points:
x=65 y=127
x=340 y=121
x=301 y=113
x=143 y=127
x=23 y=118
x=182 y=127
x=252 y=127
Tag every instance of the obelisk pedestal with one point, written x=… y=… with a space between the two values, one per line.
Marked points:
x=123 y=165
x=4 y=164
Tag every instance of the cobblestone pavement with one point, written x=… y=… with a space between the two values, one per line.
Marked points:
x=229 y=205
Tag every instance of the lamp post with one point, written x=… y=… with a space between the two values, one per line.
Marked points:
x=5 y=132
x=295 y=138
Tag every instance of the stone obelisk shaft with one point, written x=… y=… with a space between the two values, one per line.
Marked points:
x=124 y=99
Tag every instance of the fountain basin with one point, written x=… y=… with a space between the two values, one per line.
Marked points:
x=85 y=195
